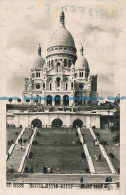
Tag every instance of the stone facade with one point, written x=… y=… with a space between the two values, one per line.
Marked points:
x=63 y=74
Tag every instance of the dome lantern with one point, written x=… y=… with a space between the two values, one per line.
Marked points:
x=39 y=50
x=62 y=17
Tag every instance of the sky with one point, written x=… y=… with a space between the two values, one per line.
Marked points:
x=98 y=25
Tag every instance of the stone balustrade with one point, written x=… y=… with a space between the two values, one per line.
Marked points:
x=84 y=185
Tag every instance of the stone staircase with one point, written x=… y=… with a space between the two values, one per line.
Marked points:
x=101 y=167
x=17 y=154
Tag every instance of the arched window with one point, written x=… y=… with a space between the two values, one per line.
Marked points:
x=58 y=81
x=58 y=64
x=52 y=63
x=69 y=63
x=66 y=86
x=65 y=63
x=50 y=86
x=49 y=64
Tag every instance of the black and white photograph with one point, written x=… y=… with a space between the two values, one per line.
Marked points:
x=61 y=69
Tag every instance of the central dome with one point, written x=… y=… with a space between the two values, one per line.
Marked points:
x=61 y=37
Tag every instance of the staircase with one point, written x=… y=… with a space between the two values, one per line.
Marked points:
x=101 y=167
x=17 y=154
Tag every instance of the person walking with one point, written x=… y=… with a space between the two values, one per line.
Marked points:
x=99 y=157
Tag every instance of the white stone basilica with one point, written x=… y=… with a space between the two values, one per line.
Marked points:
x=63 y=75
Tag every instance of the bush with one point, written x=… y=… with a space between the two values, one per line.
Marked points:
x=38 y=134
x=30 y=154
x=87 y=170
x=83 y=155
x=26 y=170
x=111 y=155
x=98 y=134
x=79 y=143
x=93 y=127
x=12 y=141
x=9 y=143
x=105 y=142
x=34 y=142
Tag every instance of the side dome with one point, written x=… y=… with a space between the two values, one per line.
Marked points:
x=39 y=61
x=61 y=37
x=82 y=63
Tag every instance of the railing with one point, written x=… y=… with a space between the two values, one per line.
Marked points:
x=105 y=185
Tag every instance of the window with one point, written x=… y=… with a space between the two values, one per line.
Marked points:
x=58 y=81
x=66 y=86
x=50 y=86
x=49 y=64
x=80 y=74
x=69 y=63
x=52 y=63
x=65 y=63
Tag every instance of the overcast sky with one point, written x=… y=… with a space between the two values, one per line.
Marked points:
x=25 y=24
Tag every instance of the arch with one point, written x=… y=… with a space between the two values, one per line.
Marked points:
x=57 y=123
x=36 y=123
x=57 y=100
x=49 y=100
x=78 y=123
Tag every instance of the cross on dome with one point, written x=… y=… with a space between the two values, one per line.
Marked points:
x=62 y=17
x=39 y=50
x=82 y=50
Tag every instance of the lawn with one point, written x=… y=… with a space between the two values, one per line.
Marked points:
x=57 y=150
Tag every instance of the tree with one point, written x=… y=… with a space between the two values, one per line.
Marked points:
x=36 y=101
x=27 y=100
x=19 y=100
x=10 y=100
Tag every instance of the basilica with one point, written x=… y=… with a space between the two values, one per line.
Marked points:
x=62 y=75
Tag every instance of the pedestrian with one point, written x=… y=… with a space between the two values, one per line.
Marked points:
x=99 y=157
x=81 y=179
x=110 y=179
x=31 y=169
x=12 y=170
x=107 y=179
x=96 y=158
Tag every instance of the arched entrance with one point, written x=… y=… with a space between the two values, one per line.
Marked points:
x=36 y=123
x=57 y=122
x=66 y=100
x=78 y=123
x=57 y=100
x=49 y=100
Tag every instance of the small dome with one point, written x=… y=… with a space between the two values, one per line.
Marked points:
x=82 y=63
x=61 y=37
x=38 y=62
